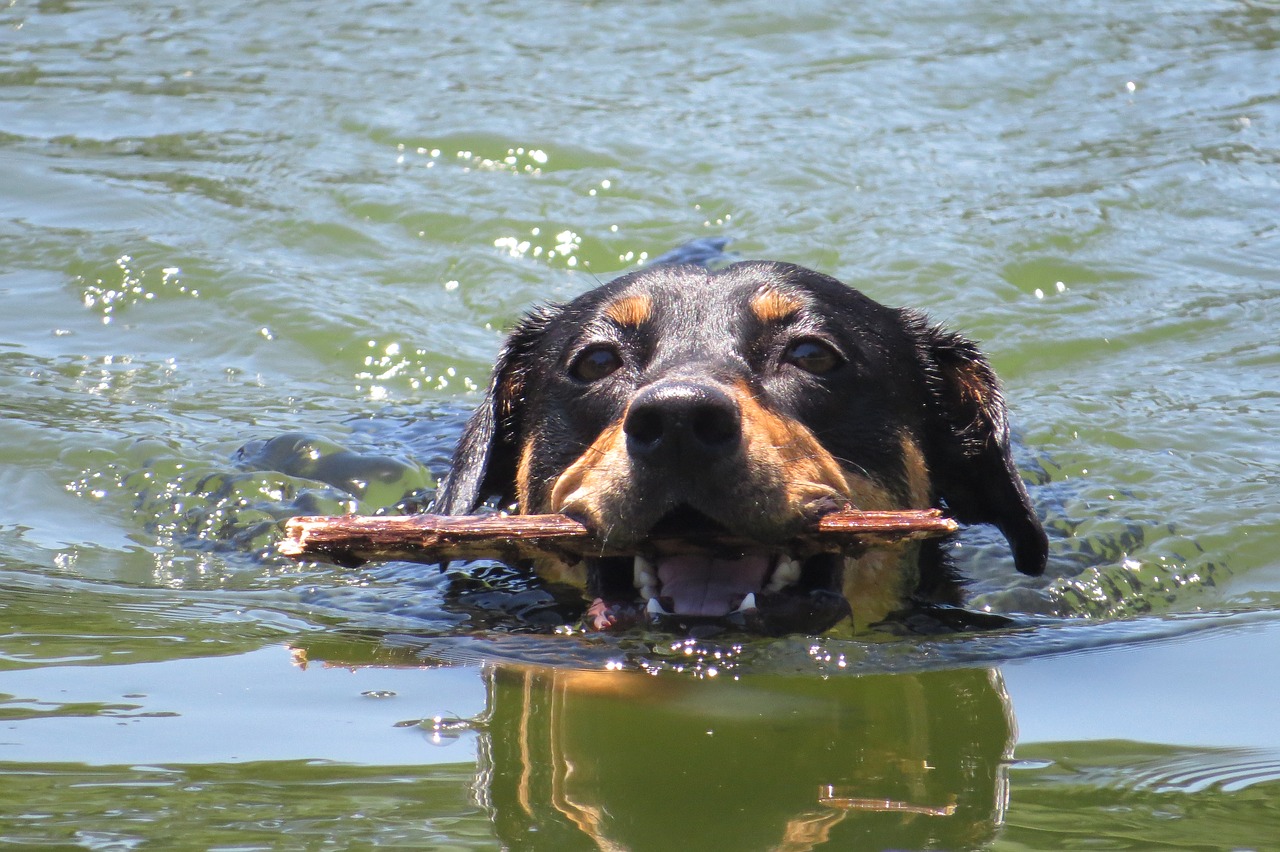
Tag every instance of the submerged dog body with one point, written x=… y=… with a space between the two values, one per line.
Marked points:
x=746 y=401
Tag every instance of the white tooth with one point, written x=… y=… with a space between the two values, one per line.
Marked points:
x=748 y=603
x=787 y=572
x=644 y=575
x=655 y=608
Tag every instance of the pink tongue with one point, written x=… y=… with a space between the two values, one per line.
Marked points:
x=700 y=585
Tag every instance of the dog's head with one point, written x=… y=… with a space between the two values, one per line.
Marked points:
x=747 y=401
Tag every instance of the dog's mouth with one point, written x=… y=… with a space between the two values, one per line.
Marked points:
x=700 y=585
x=771 y=591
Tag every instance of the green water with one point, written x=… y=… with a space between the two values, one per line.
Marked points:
x=256 y=258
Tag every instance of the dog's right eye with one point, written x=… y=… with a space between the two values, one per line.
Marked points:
x=812 y=356
x=595 y=362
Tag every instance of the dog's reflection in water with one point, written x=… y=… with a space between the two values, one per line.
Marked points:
x=616 y=760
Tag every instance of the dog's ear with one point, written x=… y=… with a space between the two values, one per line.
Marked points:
x=484 y=462
x=967 y=444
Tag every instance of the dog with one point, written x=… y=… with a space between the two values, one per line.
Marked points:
x=745 y=401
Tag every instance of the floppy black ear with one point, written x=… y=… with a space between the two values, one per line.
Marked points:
x=967 y=445
x=484 y=462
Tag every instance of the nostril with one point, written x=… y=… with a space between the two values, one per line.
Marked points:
x=716 y=425
x=644 y=426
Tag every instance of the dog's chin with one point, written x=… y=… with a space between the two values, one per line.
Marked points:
x=706 y=574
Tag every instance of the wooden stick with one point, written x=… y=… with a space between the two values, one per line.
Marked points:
x=352 y=540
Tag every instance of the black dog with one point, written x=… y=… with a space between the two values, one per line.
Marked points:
x=748 y=402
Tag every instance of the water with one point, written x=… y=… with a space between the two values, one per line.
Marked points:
x=255 y=259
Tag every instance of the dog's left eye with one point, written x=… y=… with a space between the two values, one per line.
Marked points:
x=812 y=356
x=595 y=362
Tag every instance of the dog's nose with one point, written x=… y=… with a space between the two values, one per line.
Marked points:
x=674 y=422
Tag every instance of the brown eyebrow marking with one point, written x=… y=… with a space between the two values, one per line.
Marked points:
x=630 y=311
x=771 y=305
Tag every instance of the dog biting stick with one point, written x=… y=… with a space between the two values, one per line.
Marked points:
x=352 y=540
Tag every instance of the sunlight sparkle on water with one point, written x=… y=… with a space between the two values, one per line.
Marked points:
x=566 y=244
